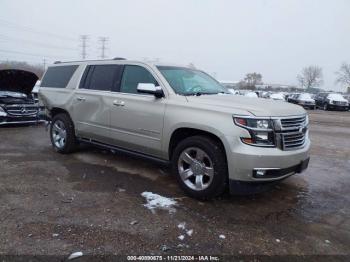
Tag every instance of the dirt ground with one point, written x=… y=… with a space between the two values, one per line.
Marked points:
x=90 y=201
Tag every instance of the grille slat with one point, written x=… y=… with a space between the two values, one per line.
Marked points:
x=293 y=136
x=293 y=140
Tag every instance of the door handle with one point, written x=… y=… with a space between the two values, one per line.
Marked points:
x=80 y=98
x=118 y=103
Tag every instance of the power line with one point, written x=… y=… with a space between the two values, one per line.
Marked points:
x=103 y=48
x=32 y=30
x=30 y=54
x=84 y=39
x=10 y=38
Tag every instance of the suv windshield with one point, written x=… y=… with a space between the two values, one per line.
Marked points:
x=186 y=81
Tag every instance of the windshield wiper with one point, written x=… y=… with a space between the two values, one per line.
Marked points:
x=201 y=93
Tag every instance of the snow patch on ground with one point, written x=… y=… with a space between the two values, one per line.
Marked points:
x=155 y=201
x=181 y=237
x=182 y=225
x=189 y=232
x=75 y=255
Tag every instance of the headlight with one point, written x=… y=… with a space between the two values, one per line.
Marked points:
x=260 y=130
x=2 y=112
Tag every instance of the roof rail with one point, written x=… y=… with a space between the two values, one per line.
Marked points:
x=115 y=58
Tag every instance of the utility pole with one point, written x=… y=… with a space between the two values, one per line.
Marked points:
x=103 y=47
x=84 y=39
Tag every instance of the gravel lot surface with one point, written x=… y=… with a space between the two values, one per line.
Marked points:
x=90 y=201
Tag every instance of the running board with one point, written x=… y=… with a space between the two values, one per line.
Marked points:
x=125 y=151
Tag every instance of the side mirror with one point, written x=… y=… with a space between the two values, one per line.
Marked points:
x=148 y=88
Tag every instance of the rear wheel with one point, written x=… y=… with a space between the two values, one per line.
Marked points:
x=199 y=164
x=62 y=134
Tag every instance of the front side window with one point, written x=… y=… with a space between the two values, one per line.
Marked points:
x=186 y=81
x=132 y=76
x=58 y=76
x=102 y=77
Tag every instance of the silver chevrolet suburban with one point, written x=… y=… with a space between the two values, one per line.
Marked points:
x=173 y=114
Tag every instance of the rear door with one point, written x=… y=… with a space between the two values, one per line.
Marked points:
x=137 y=119
x=90 y=111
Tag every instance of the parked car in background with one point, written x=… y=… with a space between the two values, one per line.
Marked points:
x=277 y=96
x=331 y=101
x=179 y=116
x=291 y=97
x=251 y=94
x=347 y=97
x=232 y=91
x=17 y=104
x=304 y=100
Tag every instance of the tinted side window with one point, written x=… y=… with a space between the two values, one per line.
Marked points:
x=58 y=76
x=102 y=77
x=132 y=76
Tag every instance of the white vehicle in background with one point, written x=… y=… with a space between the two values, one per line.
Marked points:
x=277 y=96
x=251 y=94
x=305 y=100
x=232 y=91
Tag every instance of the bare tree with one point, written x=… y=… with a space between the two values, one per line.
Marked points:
x=310 y=77
x=253 y=79
x=343 y=75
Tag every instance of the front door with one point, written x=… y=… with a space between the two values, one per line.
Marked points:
x=137 y=119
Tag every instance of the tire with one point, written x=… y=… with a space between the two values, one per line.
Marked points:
x=62 y=126
x=214 y=157
x=325 y=107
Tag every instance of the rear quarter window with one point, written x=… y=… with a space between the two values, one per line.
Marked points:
x=58 y=76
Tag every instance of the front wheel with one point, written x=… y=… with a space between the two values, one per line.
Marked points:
x=200 y=166
x=62 y=134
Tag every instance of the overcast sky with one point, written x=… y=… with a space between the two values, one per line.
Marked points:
x=226 y=38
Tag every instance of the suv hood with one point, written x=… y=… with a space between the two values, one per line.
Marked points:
x=255 y=106
x=19 y=81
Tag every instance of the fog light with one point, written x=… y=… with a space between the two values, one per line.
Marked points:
x=260 y=172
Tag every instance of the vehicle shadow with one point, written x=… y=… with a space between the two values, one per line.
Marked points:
x=281 y=201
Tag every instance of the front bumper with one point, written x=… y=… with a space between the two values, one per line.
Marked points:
x=338 y=107
x=247 y=188
x=7 y=119
x=308 y=106
x=245 y=160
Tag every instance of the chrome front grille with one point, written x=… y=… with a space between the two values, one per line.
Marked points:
x=21 y=110
x=293 y=140
x=293 y=123
x=291 y=132
x=340 y=103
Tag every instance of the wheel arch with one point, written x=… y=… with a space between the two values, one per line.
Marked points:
x=181 y=133
x=57 y=110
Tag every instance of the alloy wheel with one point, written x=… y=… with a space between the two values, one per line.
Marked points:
x=195 y=168
x=59 y=134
